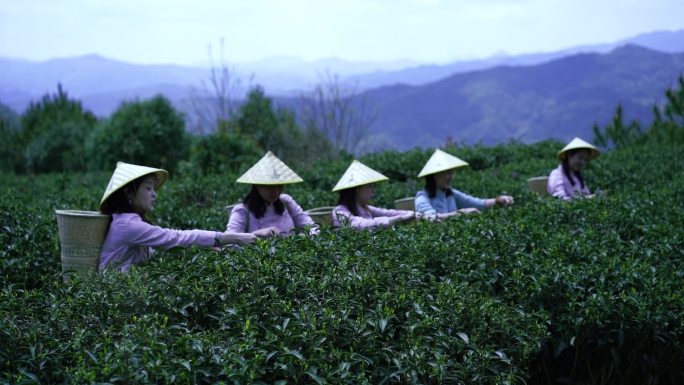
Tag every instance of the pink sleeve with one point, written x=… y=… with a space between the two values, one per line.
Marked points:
x=299 y=217
x=342 y=216
x=144 y=234
x=238 y=220
x=585 y=190
x=556 y=185
x=380 y=212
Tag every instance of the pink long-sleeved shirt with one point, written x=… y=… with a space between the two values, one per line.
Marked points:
x=372 y=217
x=559 y=186
x=292 y=217
x=130 y=239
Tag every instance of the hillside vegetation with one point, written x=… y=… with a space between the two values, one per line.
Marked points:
x=542 y=292
x=558 y=99
x=589 y=291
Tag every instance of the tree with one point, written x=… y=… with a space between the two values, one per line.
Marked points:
x=10 y=150
x=617 y=132
x=225 y=150
x=668 y=124
x=339 y=111
x=53 y=132
x=149 y=132
x=277 y=130
x=216 y=100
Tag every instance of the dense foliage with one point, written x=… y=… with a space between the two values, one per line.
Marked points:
x=57 y=134
x=256 y=128
x=668 y=120
x=589 y=291
x=147 y=132
x=11 y=157
x=53 y=132
x=542 y=292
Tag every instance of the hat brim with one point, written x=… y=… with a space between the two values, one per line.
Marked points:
x=246 y=181
x=437 y=171
x=340 y=188
x=162 y=177
x=593 y=153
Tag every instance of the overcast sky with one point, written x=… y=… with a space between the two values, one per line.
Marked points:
x=179 y=31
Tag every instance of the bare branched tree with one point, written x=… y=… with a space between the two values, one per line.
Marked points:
x=339 y=111
x=216 y=100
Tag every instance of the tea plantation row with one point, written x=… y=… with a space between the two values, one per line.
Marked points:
x=542 y=292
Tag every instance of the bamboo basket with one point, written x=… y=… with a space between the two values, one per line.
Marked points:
x=81 y=235
x=538 y=184
x=321 y=215
x=405 y=204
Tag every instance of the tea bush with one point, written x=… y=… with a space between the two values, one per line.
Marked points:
x=544 y=291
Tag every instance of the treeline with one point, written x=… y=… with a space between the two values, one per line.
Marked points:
x=57 y=134
x=667 y=126
x=545 y=292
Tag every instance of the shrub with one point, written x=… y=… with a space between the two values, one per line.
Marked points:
x=149 y=132
x=277 y=131
x=226 y=150
x=11 y=157
x=669 y=122
x=542 y=292
x=53 y=132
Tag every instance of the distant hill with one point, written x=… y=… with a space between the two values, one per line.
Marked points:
x=559 y=99
x=102 y=83
x=529 y=97
x=664 y=41
x=91 y=74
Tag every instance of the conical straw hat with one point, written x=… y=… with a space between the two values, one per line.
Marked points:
x=441 y=161
x=358 y=174
x=576 y=144
x=269 y=171
x=126 y=173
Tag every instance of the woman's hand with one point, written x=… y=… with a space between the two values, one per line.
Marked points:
x=266 y=232
x=503 y=200
x=239 y=238
x=401 y=217
x=434 y=218
x=469 y=210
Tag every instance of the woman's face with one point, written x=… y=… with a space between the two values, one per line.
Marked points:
x=270 y=193
x=364 y=194
x=143 y=199
x=443 y=179
x=578 y=160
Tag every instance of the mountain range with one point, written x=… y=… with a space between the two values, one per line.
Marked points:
x=559 y=99
x=664 y=41
x=525 y=97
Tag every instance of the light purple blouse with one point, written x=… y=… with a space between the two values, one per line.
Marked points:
x=372 y=217
x=243 y=221
x=559 y=186
x=130 y=239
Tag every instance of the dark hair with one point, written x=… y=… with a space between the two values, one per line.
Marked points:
x=257 y=205
x=119 y=202
x=347 y=199
x=569 y=173
x=431 y=187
